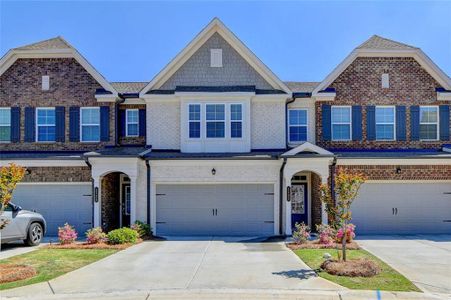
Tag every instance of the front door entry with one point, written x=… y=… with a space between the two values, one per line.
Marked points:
x=125 y=205
x=299 y=203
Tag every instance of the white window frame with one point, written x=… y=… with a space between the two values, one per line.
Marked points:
x=91 y=124
x=394 y=122
x=430 y=123
x=6 y=125
x=216 y=58
x=237 y=121
x=131 y=123
x=306 y=125
x=226 y=121
x=43 y=125
x=195 y=121
x=332 y=123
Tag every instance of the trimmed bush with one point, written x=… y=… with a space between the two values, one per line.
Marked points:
x=301 y=233
x=141 y=228
x=95 y=235
x=67 y=234
x=122 y=236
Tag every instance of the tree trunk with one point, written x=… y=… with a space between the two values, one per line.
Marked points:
x=343 y=240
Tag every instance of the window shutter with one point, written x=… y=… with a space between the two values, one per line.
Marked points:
x=104 y=123
x=401 y=123
x=122 y=122
x=30 y=124
x=444 y=122
x=415 y=123
x=356 y=123
x=74 y=124
x=60 y=118
x=142 y=122
x=370 y=123
x=15 y=124
x=326 y=122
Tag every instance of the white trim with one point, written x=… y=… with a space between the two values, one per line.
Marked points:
x=131 y=123
x=444 y=96
x=194 y=121
x=44 y=125
x=394 y=122
x=332 y=123
x=306 y=125
x=89 y=124
x=241 y=120
x=437 y=123
x=6 y=125
x=307 y=147
x=215 y=26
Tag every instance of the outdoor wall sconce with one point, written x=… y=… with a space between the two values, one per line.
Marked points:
x=27 y=172
x=213 y=171
x=398 y=170
x=288 y=193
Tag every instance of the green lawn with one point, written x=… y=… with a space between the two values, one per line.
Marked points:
x=51 y=263
x=388 y=279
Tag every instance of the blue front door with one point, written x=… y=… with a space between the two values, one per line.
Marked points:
x=299 y=203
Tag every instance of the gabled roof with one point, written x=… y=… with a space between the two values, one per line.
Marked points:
x=215 y=26
x=307 y=147
x=128 y=87
x=302 y=87
x=378 y=46
x=378 y=42
x=56 y=47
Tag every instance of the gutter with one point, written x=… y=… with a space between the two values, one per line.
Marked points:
x=148 y=191
x=332 y=179
x=92 y=189
x=293 y=98
x=282 y=168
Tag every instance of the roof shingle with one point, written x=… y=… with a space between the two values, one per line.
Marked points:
x=379 y=43
x=53 y=43
x=128 y=87
x=303 y=87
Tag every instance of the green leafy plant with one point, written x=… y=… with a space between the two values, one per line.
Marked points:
x=301 y=233
x=142 y=228
x=122 y=236
x=95 y=235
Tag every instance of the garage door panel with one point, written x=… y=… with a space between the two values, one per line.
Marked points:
x=58 y=203
x=238 y=209
x=421 y=208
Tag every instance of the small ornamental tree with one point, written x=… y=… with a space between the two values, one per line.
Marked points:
x=347 y=186
x=9 y=177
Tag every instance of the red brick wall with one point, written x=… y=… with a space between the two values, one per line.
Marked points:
x=110 y=201
x=57 y=174
x=411 y=172
x=70 y=85
x=360 y=84
x=316 y=201
x=125 y=140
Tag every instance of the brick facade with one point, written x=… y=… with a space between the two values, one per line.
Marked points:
x=316 y=201
x=360 y=84
x=110 y=201
x=126 y=140
x=57 y=174
x=70 y=85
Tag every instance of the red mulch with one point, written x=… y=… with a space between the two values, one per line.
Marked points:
x=10 y=273
x=317 y=245
x=84 y=245
x=352 y=268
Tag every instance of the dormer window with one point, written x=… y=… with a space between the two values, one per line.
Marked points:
x=385 y=81
x=216 y=58
x=45 y=83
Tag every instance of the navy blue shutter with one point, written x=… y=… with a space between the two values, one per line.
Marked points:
x=444 y=122
x=326 y=122
x=401 y=123
x=15 y=124
x=356 y=123
x=104 y=123
x=370 y=123
x=60 y=124
x=415 y=123
x=122 y=124
x=142 y=122
x=30 y=124
x=74 y=124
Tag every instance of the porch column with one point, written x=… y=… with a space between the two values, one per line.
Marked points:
x=287 y=206
x=97 y=202
x=324 y=218
x=132 y=199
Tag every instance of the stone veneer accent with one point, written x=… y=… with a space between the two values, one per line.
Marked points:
x=57 y=174
x=410 y=172
x=110 y=206
x=360 y=84
x=70 y=85
x=139 y=140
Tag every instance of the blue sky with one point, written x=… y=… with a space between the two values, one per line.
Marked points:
x=298 y=40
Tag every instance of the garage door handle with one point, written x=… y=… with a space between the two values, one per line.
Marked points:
x=396 y=211
x=393 y=211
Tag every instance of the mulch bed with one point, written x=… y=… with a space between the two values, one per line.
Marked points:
x=10 y=273
x=317 y=245
x=352 y=268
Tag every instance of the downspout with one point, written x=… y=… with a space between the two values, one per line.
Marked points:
x=282 y=168
x=92 y=190
x=293 y=98
x=332 y=180
x=148 y=191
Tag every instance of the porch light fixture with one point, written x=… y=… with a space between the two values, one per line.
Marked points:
x=213 y=171
x=398 y=170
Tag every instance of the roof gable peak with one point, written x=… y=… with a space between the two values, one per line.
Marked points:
x=50 y=44
x=377 y=42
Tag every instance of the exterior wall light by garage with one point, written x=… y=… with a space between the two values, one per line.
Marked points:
x=213 y=171
x=398 y=170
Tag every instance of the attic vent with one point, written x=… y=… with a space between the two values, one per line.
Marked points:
x=385 y=81
x=45 y=83
x=216 y=58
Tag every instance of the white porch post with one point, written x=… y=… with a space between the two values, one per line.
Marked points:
x=97 y=202
x=132 y=199
x=324 y=219
x=288 y=224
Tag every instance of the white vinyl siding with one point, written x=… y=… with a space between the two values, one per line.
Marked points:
x=341 y=123
x=429 y=120
x=5 y=124
x=385 y=123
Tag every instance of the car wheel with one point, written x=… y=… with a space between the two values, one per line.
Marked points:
x=35 y=234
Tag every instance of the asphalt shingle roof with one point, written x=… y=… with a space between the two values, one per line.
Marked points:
x=303 y=87
x=128 y=87
x=53 y=43
x=379 y=43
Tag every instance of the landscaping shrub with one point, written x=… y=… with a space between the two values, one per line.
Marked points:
x=95 y=235
x=301 y=233
x=122 y=236
x=350 y=233
x=142 y=229
x=352 y=268
x=67 y=234
x=327 y=234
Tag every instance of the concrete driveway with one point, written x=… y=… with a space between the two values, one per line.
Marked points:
x=424 y=259
x=189 y=263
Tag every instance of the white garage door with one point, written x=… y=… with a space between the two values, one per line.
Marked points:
x=403 y=208
x=235 y=209
x=58 y=203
